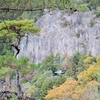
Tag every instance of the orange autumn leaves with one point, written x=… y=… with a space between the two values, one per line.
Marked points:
x=70 y=90
x=66 y=89
x=84 y=88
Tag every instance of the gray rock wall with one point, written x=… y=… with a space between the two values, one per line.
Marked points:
x=63 y=33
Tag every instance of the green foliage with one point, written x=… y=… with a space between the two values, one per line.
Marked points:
x=37 y=83
x=37 y=5
x=45 y=79
x=76 y=64
x=33 y=15
x=97 y=37
x=11 y=29
x=16 y=4
x=48 y=63
x=77 y=35
x=51 y=63
x=94 y=4
x=9 y=63
x=47 y=85
x=97 y=12
x=34 y=66
x=59 y=80
x=82 y=8
x=57 y=59
x=92 y=22
x=43 y=82
x=89 y=60
x=98 y=60
x=86 y=85
x=4 y=71
x=4 y=47
x=98 y=76
x=14 y=97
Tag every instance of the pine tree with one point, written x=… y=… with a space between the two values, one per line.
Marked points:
x=14 y=31
x=9 y=64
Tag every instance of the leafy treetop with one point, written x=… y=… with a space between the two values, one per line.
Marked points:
x=9 y=62
x=16 y=30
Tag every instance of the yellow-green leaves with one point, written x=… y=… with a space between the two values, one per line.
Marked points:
x=3 y=72
x=11 y=35
x=88 y=59
x=84 y=88
x=11 y=29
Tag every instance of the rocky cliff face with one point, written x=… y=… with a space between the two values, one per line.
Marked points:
x=63 y=33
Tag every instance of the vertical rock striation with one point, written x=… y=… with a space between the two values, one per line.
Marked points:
x=63 y=33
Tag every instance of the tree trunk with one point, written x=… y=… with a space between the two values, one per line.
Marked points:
x=4 y=86
x=19 y=93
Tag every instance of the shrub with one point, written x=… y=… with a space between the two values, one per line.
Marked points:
x=82 y=8
x=77 y=35
x=14 y=97
x=76 y=64
x=97 y=13
x=92 y=22
x=97 y=37
x=93 y=4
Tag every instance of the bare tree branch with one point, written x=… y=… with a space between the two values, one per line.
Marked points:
x=19 y=9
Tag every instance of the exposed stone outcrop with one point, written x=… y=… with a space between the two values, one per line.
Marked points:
x=64 y=33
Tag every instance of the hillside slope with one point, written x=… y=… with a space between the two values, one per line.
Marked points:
x=64 y=33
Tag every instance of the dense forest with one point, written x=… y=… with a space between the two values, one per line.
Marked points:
x=58 y=77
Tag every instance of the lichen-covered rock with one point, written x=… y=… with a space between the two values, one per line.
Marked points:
x=63 y=33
